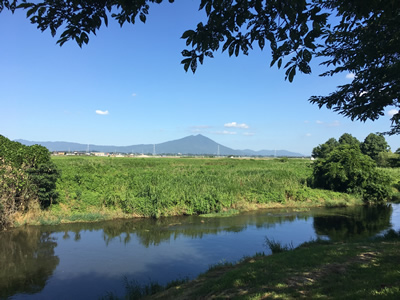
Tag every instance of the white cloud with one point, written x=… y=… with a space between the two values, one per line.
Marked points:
x=392 y=112
x=226 y=132
x=350 y=76
x=248 y=133
x=102 y=112
x=319 y=122
x=134 y=95
x=308 y=134
x=236 y=125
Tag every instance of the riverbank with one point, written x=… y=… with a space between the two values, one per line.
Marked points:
x=96 y=188
x=319 y=269
x=60 y=214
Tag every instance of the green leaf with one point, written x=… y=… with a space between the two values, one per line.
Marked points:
x=186 y=63
x=31 y=11
x=186 y=53
x=307 y=55
x=84 y=37
x=273 y=61
x=231 y=49
x=292 y=73
x=193 y=65
x=105 y=19
x=187 y=33
x=142 y=17
x=261 y=43
x=237 y=50
x=208 y=9
x=201 y=58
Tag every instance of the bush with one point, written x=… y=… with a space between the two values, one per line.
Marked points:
x=347 y=170
x=27 y=174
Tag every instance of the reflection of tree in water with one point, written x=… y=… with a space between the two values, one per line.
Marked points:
x=354 y=222
x=153 y=232
x=27 y=260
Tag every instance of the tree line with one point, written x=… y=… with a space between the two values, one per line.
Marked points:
x=27 y=179
x=350 y=166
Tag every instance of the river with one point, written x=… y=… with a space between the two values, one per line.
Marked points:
x=87 y=260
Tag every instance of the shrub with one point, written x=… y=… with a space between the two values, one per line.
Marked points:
x=346 y=169
x=27 y=174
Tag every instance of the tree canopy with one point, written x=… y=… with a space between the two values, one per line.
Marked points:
x=358 y=37
x=348 y=139
x=27 y=176
x=346 y=169
x=373 y=145
x=322 y=151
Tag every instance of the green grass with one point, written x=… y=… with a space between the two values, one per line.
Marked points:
x=319 y=269
x=134 y=290
x=156 y=187
x=277 y=247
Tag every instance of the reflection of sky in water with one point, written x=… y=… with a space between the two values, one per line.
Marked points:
x=395 y=218
x=89 y=268
x=91 y=255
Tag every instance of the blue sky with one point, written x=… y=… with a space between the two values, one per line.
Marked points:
x=127 y=87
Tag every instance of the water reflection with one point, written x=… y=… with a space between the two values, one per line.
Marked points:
x=353 y=223
x=27 y=260
x=83 y=261
x=151 y=232
x=155 y=232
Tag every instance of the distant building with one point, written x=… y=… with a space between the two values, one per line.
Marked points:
x=58 y=153
x=99 y=154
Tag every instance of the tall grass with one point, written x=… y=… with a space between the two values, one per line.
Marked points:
x=277 y=247
x=155 y=187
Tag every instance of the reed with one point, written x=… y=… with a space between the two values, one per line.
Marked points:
x=156 y=187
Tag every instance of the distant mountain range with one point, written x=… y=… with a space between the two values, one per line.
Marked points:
x=193 y=144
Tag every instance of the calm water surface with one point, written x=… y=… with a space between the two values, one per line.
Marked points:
x=85 y=261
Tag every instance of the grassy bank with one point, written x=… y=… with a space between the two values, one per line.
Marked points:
x=94 y=188
x=100 y=188
x=355 y=270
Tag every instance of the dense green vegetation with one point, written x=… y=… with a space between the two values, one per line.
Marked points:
x=97 y=188
x=374 y=146
x=346 y=169
x=351 y=167
x=27 y=177
x=154 y=187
